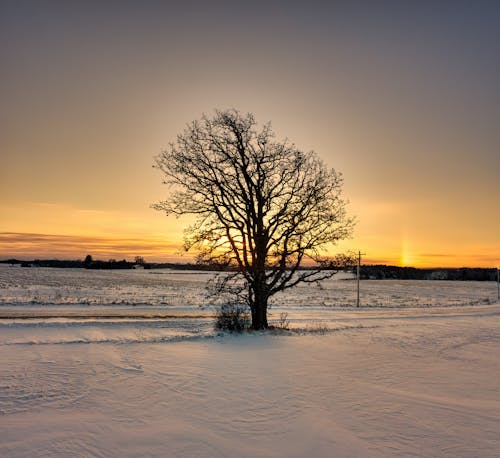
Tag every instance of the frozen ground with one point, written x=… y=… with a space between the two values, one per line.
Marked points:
x=91 y=368
x=183 y=290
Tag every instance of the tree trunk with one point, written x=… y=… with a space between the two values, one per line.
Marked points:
x=259 y=311
x=259 y=286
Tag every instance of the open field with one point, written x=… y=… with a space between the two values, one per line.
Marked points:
x=126 y=364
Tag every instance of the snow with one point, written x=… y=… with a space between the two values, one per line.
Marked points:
x=397 y=377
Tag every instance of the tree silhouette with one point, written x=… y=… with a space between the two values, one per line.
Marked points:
x=262 y=206
x=88 y=260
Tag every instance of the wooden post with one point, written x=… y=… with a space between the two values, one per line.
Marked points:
x=498 y=284
x=358 y=271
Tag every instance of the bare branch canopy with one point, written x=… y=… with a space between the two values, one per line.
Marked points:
x=262 y=206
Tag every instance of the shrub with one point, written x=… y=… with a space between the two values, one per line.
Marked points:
x=282 y=323
x=317 y=327
x=232 y=317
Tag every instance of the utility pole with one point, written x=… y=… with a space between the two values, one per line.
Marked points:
x=498 y=284
x=358 y=274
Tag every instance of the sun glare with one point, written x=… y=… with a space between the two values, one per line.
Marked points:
x=406 y=258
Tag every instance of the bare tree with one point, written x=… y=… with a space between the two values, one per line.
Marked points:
x=263 y=207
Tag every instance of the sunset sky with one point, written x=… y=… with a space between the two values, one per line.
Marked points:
x=402 y=97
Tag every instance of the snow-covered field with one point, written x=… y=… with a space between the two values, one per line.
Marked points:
x=126 y=364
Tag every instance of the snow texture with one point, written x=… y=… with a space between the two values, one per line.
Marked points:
x=91 y=368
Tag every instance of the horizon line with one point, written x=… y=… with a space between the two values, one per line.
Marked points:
x=165 y=248
x=178 y=262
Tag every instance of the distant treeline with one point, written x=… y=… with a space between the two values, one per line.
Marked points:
x=379 y=272
x=111 y=264
x=368 y=272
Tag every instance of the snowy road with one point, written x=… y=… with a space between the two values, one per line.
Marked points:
x=400 y=384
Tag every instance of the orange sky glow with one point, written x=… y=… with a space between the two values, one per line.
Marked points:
x=403 y=100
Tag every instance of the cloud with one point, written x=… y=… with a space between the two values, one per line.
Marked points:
x=482 y=259
x=20 y=244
